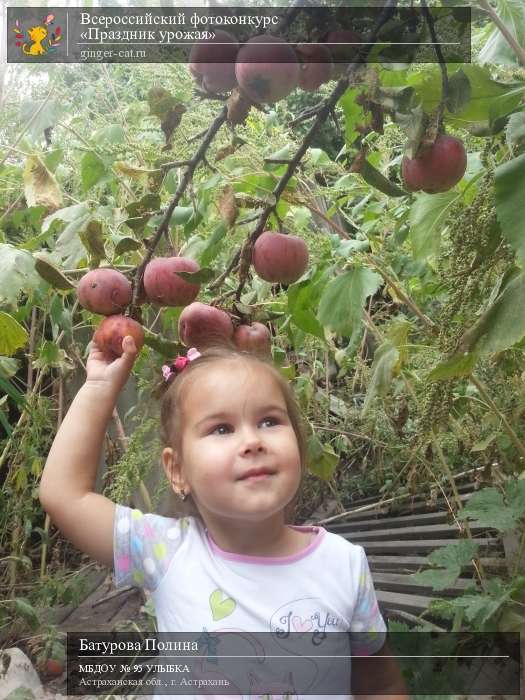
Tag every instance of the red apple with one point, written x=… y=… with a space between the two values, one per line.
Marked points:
x=54 y=667
x=104 y=291
x=267 y=69
x=255 y=338
x=278 y=257
x=316 y=66
x=112 y=331
x=436 y=168
x=163 y=285
x=201 y=325
x=343 y=45
x=212 y=62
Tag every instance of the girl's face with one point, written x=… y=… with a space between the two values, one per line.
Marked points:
x=239 y=453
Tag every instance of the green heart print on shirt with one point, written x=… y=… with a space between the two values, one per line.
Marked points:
x=221 y=606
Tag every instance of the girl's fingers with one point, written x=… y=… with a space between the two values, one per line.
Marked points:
x=129 y=347
x=129 y=352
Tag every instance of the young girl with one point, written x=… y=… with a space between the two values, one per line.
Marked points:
x=235 y=450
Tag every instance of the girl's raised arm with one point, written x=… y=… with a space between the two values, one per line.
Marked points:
x=67 y=486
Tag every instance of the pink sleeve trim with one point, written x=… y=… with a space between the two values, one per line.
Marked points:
x=319 y=533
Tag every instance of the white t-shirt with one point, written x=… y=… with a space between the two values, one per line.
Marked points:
x=197 y=587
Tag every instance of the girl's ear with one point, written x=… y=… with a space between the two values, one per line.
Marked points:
x=172 y=469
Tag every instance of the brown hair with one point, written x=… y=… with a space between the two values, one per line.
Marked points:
x=171 y=408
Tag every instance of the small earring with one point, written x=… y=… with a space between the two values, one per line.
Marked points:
x=183 y=495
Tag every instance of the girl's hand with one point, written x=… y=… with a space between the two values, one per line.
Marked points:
x=110 y=374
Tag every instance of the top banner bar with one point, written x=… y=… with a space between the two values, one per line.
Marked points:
x=197 y=34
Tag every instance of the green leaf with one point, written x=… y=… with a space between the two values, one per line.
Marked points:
x=457 y=366
x=515 y=493
x=321 y=460
x=260 y=186
x=205 y=274
x=512 y=620
x=17 y=273
x=3 y=416
x=501 y=109
x=319 y=158
x=48 y=270
x=303 y=299
x=496 y=48
x=345 y=182
x=140 y=212
x=353 y=113
x=213 y=244
x=288 y=372
x=165 y=347
x=503 y=325
x=427 y=220
x=133 y=171
x=112 y=134
x=413 y=124
x=485 y=93
x=126 y=244
x=453 y=557
x=93 y=241
x=284 y=153
x=397 y=334
x=24 y=225
x=457 y=553
x=61 y=317
x=53 y=158
x=343 y=299
x=384 y=366
x=21 y=693
x=8 y=389
x=437 y=579
x=161 y=102
x=395 y=99
x=481 y=607
x=346 y=247
x=181 y=215
x=8 y=367
x=481 y=445
x=51 y=355
x=510 y=203
x=376 y=179
x=40 y=186
x=458 y=91
x=515 y=133
x=24 y=608
x=42 y=116
x=69 y=247
x=488 y=508
x=299 y=217
x=92 y=170
x=12 y=334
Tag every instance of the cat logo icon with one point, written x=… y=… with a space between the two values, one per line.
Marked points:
x=40 y=39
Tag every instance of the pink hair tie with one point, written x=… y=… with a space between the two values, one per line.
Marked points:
x=179 y=363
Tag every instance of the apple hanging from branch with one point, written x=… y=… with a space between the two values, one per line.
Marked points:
x=201 y=325
x=278 y=257
x=164 y=287
x=255 y=338
x=437 y=167
x=267 y=69
x=104 y=291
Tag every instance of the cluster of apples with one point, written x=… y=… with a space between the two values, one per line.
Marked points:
x=276 y=257
x=266 y=68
